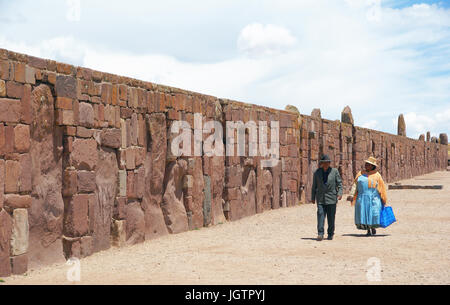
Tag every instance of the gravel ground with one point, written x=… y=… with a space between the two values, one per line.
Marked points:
x=279 y=247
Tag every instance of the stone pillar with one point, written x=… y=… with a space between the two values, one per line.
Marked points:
x=401 y=129
x=443 y=139
x=346 y=116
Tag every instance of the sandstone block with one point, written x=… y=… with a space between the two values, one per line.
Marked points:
x=10 y=110
x=84 y=155
x=20 y=232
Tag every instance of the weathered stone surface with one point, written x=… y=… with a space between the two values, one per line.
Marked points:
x=25 y=177
x=14 y=201
x=293 y=109
x=2 y=88
x=5 y=237
x=106 y=190
x=207 y=201
x=46 y=212
x=12 y=174
x=22 y=138
x=443 y=139
x=247 y=205
x=111 y=138
x=347 y=116
x=401 y=128
x=135 y=224
x=19 y=264
x=76 y=218
x=119 y=233
x=14 y=90
x=10 y=110
x=172 y=205
x=86 y=246
x=316 y=113
x=84 y=155
x=86 y=182
x=155 y=166
x=66 y=86
x=217 y=185
x=2 y=183
x=86 y=115
x=20 y=232
x=264 y=193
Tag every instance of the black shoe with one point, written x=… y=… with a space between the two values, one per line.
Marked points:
x=369 y=233
x=320 y=238
x=330 y=237
x=374 y=231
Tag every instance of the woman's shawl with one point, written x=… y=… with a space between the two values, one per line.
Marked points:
x=375 y=181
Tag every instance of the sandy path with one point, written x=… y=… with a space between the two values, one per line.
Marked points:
x=277 y=247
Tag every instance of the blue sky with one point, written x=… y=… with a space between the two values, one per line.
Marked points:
x=381 y=58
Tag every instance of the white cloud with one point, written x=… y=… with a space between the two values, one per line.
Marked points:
x=417 y=123
x=373 y=124
x=258 y=39
x=299 y=53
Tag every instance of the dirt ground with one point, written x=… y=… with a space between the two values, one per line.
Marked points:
x=279 y=247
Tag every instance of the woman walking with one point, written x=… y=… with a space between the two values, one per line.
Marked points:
x=370 y=195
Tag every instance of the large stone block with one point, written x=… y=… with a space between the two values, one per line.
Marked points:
x=86 y=115
x=14 y=201
x=135 y=224
x=106 y=191
x=20 y=232
x=66 y=86
x=84 y=155
x=19 y=264
x=5 y=238
x=173 y=202
x=12 y=174
x=111 y=138
x=86 y=182
x=76 y=222
x=10 y=110
x=22 y=138
x=2 y=88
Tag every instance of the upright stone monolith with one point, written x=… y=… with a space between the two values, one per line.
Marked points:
x=401 y=130
x=443 y=139
x=293 y=109
x=316 y=113
x=346 y=116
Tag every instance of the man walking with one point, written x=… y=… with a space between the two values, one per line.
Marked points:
x=326 y=191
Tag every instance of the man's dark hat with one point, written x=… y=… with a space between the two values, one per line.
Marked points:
x=325 y=158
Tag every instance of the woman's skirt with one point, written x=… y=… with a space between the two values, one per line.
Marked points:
x=367 y=211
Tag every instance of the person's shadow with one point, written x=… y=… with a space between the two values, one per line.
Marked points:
x=348 y=235
x=364 y=235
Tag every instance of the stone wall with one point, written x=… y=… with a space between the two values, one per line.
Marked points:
x=86 y=164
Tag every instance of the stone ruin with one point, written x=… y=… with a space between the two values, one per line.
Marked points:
x=85 y=162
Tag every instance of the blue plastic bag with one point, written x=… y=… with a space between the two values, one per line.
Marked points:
x=387 y=217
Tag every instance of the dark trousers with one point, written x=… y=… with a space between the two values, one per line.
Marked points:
x=328 y=211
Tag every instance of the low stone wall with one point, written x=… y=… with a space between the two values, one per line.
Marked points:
x=86 y=161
